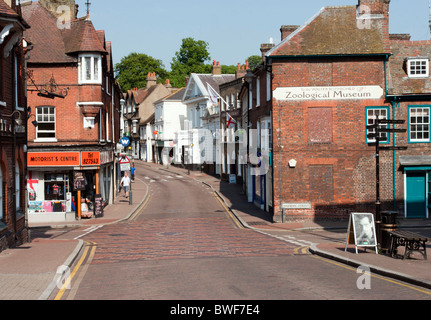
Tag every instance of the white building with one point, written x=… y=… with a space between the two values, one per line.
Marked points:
x=169 y=121
x=203 y=114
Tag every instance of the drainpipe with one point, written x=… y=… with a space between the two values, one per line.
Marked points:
x=393 y=103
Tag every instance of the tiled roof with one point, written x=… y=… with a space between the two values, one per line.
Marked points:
x=398 y=81
x=82 y=37
x=7 y=12
x=53 y=45
x=334 y=31
x=45 y=36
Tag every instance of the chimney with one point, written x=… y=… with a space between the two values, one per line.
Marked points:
x=216 y=68
x=287 y=31
x=240 y=72
x=375 y=6
x=168 y=84
x=52 y=6
x=151 y=79
x=400 y=37
x=264 y=48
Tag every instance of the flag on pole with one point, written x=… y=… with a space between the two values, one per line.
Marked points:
x=229 y=120
x=213 y=95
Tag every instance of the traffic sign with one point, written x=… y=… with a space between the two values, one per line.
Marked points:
x=124 y=163
x=373 y=136
x=385 y=121
x=393 y=130
x=125 y=141
x=393 y=148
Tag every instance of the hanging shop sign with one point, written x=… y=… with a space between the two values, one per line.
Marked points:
x=52 y=159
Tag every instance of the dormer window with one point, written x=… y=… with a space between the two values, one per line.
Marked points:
x=90 y=69
x=418 y=67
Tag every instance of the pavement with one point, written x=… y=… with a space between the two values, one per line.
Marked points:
x=34 y=270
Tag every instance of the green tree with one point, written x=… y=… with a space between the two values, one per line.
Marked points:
x=254 y=61
x=189 y=59
x=132 y=70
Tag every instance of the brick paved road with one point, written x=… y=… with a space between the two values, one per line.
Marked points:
x=184 y=245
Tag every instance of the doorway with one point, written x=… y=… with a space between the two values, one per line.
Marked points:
x=416 y=195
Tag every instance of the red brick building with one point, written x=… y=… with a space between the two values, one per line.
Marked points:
x=329 y=79
x=409 y=94
x=75 y=104
x=13 y=112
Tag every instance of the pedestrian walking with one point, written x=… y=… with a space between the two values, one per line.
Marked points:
x=125 y=183
x=132 y=172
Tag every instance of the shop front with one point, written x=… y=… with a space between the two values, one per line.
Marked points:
x=59 y=181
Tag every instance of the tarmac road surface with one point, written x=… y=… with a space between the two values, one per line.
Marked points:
x=183 y=244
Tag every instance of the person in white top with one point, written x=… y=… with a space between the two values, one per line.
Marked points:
x=125 y=183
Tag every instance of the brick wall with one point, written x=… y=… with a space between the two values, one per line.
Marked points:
x=13 y=230
x=335 y=169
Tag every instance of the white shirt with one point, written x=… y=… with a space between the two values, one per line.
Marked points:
x=125 y=181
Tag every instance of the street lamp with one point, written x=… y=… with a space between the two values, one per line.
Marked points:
x=249 y=78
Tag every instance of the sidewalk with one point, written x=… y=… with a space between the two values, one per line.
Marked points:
x=30 y=271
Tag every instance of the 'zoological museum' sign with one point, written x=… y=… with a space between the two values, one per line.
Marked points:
x=328 y=93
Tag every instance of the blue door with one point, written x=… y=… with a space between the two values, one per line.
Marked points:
x=416 y=195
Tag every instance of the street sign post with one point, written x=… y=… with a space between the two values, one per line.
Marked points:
x=125 y=141
x=124 y=163
x=376 y=136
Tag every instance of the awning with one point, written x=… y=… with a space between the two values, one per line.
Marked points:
x=415 y=161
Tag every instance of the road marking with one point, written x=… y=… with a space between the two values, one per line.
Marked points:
x=375 y=276
x=290 y=240
x=140 y=209
x=89 y=230
x=82 y=273
x=228 y=211
x=68 y=281
x=301 y=250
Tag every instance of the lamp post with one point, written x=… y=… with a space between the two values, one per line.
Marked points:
x=249 y=78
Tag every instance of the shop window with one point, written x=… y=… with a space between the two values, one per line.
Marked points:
x=372 y=114
x=45 y=123
x=418 y=68
x=90 y=69
x=55 y=187
x=419 y=124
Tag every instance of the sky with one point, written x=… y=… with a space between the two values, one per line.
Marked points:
x=234 y=29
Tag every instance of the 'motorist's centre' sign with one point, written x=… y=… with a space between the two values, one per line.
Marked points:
x=328 y=93
x=51 y=159
x=65 y=159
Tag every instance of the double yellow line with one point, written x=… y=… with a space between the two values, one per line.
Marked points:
x=85 y=254
x=425 y=291
x=235 y=220
x=140 y=209
x=300 y=250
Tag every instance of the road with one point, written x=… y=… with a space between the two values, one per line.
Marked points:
x=184 y=245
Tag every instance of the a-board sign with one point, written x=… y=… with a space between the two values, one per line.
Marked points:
x=79 y=181
x=361 y=231
x=98 y=206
